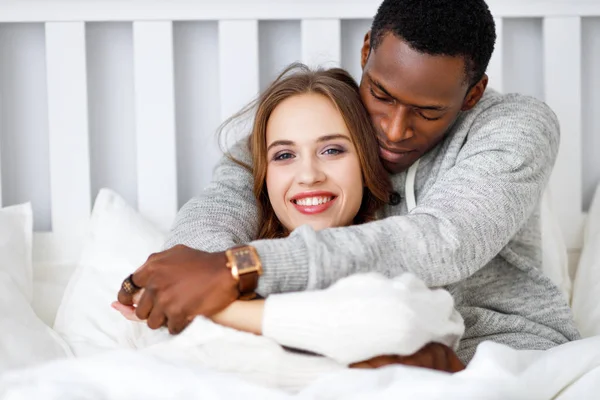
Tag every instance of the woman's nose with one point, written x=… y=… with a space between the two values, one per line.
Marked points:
x=310 y=172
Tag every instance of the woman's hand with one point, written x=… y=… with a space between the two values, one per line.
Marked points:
x=129 y=311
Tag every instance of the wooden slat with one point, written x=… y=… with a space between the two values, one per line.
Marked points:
x=562 y=83
x=155 y=121
x=68 y=126
x=496 y=67
x=321 y=42
x=238 y=64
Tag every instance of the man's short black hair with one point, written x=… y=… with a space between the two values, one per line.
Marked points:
x=441 y=27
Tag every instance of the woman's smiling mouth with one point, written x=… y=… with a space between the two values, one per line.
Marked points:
x=313 y=202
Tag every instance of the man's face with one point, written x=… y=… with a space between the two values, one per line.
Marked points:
x=413 y=98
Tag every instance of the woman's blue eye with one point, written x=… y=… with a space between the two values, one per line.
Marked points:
x=333 y=151
x=283 y=156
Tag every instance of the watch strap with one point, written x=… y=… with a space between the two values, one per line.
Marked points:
x=247 y=285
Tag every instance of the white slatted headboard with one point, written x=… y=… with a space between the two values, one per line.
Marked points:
x=128 y=94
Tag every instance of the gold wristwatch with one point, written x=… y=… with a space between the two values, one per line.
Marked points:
x=245 y=266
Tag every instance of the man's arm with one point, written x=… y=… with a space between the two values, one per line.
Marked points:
x=463 y=221
x=225 y=214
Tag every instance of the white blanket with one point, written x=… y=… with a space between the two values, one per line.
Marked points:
x=357 y=318
x=568 y=372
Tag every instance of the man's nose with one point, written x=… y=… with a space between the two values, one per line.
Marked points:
x=310 y=172
x=396 y=127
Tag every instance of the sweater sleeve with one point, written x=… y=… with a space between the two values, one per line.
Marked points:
x=225 y=214
x=468 y=215
x=363 y=316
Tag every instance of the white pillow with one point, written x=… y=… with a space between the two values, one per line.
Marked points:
x=24 y=339
x=555 y=258
x=586 y=285
x=119 y=241
x=50 y=280
x=16 y=233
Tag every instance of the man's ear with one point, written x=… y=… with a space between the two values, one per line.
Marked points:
x=365 y=50
x=475 y=94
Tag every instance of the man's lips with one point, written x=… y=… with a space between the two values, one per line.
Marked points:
x=393 y=156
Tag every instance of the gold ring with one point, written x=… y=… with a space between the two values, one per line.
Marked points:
x=129 y=287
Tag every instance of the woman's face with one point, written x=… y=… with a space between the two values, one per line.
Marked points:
x=313 y=172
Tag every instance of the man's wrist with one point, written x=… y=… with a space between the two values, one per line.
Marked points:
x=221 y=262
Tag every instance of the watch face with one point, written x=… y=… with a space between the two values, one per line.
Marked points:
x=245 y=260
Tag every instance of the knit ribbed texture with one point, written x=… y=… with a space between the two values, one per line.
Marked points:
x=364 y=316
x=475 y=230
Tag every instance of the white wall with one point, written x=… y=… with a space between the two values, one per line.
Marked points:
x=23 y=111
x=591 y=107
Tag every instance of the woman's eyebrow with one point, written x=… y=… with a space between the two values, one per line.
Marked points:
x=333 y=136
x=280 y=143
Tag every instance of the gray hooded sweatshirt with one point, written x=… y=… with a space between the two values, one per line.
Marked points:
x=475 y=229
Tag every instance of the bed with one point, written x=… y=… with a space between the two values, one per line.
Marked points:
x=127 y=96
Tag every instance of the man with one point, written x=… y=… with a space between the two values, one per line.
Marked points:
x=484 y=161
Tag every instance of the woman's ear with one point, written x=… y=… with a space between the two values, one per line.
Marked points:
x=365 y=50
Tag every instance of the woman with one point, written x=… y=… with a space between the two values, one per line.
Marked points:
x=315 y=162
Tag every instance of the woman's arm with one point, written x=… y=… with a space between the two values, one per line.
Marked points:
x=358 y=318
x=363 y=317
x=244 y=316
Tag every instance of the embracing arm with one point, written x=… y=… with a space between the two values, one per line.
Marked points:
x=356 y=319
x=225 y=214
x=469 y=214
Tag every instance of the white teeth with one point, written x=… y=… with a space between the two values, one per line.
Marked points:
x=313 y=201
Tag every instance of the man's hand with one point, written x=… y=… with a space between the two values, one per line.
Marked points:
x=433 y=356
x=180 y=284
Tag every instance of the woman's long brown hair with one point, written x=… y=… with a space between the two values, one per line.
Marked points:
x=339 y=87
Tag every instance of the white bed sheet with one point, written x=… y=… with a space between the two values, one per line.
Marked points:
x=567 y=372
